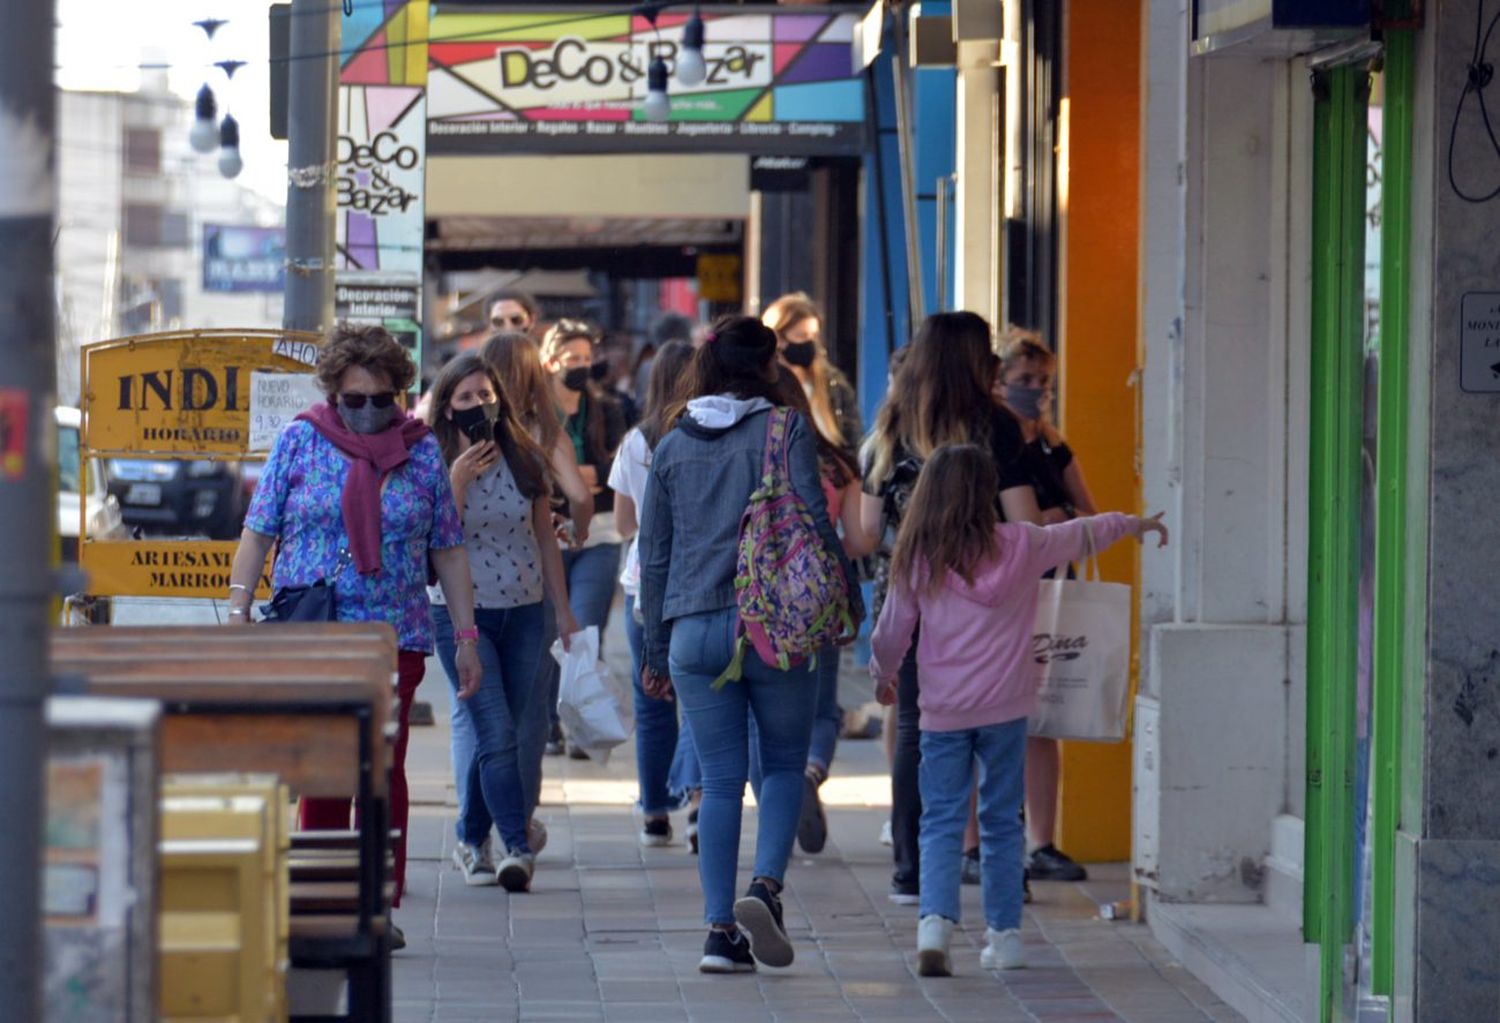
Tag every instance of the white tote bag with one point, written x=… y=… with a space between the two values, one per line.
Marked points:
x=1081 y=654
x=595 y=707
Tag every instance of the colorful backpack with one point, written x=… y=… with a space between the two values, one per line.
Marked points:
x=791 y=592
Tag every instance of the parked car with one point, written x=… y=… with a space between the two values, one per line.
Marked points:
x=101 y=507
x=179 y=497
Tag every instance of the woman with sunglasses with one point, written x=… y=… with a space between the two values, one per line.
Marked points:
x=503 y=491
x=514 y=310
x=356 y=493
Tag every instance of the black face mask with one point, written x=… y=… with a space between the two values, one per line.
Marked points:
x=477 y=423
x=801 y=354
x=576 y=378
x=599 y=371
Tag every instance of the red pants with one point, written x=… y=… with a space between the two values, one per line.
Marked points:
x=333 y=814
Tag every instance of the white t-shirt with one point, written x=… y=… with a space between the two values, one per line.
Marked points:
x=627 y=477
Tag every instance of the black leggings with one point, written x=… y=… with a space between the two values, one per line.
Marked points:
x=906 y=792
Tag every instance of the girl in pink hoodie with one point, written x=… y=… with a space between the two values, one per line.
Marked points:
x=973 y=582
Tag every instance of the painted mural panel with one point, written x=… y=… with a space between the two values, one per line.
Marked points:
x=547 y=80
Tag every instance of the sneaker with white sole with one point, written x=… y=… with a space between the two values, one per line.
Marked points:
x=477 y=863
x=759 y=913
x=1003 y=950
x=934 y=935
x=656 y=833
x=726 y=952
x=692 y=831
x=516 y=870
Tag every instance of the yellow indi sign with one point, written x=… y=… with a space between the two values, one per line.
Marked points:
x=184 y=394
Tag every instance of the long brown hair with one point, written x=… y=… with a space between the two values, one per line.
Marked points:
x=522 y=454
x=940 y=395
x=830 y=455
x=781 y=316
x=669 y=378
x=950 y=522
x=517 y=361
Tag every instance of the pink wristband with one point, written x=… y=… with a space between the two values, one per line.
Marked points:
x=471 y=634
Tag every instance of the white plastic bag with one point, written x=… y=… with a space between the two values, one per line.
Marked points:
x=596 y=710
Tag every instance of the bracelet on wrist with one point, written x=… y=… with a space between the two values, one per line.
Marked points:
x=469 y=635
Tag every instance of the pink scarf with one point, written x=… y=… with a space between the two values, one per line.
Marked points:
x=374 y=456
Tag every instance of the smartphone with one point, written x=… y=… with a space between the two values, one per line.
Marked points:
x=482 y=431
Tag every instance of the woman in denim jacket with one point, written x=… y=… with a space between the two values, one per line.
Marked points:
x=702 y=476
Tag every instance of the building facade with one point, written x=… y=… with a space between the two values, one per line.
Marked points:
x=133 y=202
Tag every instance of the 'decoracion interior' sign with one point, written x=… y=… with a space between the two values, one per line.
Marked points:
x=180 y=395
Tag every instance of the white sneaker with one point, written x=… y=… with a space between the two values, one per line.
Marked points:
x=885 y=833
x=934 y=933
x=1003 y=950
x=476 y=862
x=516 y=870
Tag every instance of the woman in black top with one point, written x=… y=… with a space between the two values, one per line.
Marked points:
x=1026 y=378
x=941 y=395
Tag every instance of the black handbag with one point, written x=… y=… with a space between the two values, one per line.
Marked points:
x=315 y=603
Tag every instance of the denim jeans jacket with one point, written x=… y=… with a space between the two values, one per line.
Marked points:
x=702 y=476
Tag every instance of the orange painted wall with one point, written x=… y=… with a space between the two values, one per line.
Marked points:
x=1100 y=350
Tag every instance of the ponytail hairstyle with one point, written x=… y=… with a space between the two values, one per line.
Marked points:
x=939 y=396
x=781 y=316
x=738 y=358
x=950 y=521
x=525 y=458
x=832 y=458
x=518 y=364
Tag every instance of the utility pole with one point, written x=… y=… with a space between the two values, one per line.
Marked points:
x=28 y=383
x=313 y=96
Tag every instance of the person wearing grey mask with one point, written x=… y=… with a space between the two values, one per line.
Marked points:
x=356 y=495
x=1027 y=375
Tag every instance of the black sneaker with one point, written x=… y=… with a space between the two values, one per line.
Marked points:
x=656 y=832
x=812 y=826
x=759 y=913
x=1049 y=863
x=398 y=938
x=726 y=952
x=692 y=830
x=554 y=747
x=905 y=894
x=970 y=873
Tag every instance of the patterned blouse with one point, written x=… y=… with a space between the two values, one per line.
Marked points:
x=299 y=500
x=504 y=557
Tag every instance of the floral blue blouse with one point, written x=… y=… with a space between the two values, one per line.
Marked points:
x=299 y=500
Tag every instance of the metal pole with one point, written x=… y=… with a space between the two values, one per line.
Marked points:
x=311 y=125
x=907 y=142
x=944 y=187
x=28 y=383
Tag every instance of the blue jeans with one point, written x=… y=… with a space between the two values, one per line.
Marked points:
x=782 y=703
x=536 y=722
x=485 y=749
x=947 y=777
x=656 y=731
x=826 y=720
